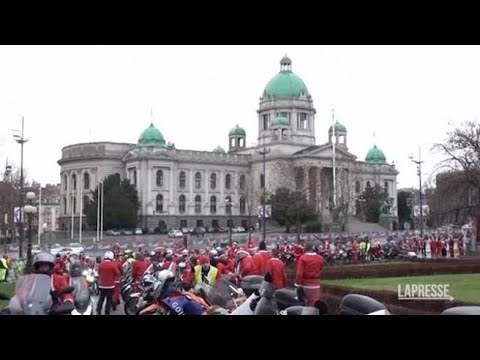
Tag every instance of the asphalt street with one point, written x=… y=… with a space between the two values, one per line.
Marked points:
x=120 y=308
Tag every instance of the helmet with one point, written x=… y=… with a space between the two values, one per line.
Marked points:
x=213 y=252
x=98 y=259
x=108 y=255
x=182 y=265
x=184 y=252
x=169 y=256
x=165 y=275
x=43 y=258
x=148 y=280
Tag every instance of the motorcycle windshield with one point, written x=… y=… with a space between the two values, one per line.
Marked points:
x=32 y=295
x=81 y=293
x=222 y=293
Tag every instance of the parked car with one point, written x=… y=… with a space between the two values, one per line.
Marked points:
x=138 y=231
x=76 y=247
x=36 y=249
x=66 y=250
x=55 y=248
x=185 y=230
x=175 y=234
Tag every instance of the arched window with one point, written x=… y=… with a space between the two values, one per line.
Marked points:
x=65 y=182
x=74 y=205
x=74 y=180
x=242 y=182
x=213 y=205
x=357 y=186
x=228 y=205
x=228 y=181
x=242 y=205
x=159 y=203
x=65 y=205
x=385 y=185
x=368 y=183
x=262 y=180
x=198 y=180
x=198 y=204
x=159 y=178
x=181 y=204
x=86 y=181
x=181 y=179
x=135 y=177
x=213 y=181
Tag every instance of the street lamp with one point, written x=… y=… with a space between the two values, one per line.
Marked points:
x=30 y=210
x=264 y=151
x=19 y=138
x=228 y=205
x=419 y=173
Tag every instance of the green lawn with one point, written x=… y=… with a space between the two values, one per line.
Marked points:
x=7 y=289
x=463 y=287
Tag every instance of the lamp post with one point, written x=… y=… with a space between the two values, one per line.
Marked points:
x=19 y=138
x=229 y=204
x=264 y=151
x=419 y=173
x=30 y=210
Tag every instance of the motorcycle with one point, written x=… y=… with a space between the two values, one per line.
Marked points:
x=92 y=280
x=140 y=300
x=33 y=296
x=83 y=302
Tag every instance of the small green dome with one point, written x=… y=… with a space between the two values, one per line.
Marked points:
x=237 y=130
x=285 y=85
x=375 y=156
x=280 y=120
x=219 y=150
x=338 y=128
x=151 y=136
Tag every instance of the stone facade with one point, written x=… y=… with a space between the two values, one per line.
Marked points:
x=189 y=188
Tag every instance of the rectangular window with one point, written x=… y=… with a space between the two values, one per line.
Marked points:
x=215 y=224
x=183 y=223
x=302 y=120
x=199 y=223
x=262 y=181
x=245 y=224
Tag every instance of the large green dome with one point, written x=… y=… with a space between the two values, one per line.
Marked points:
x=280 y=120
x=237 y=130
x=375 y=156
x=151 y=136
x=338 y=128
x=285 y=85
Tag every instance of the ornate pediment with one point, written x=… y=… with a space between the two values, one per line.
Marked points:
x=326 y=152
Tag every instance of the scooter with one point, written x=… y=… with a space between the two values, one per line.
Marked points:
x=83 y=302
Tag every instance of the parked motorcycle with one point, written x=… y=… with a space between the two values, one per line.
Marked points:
x=83 y=301
x=92 y=281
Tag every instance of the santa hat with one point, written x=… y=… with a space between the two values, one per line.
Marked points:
x=242 y=253
x=204 y=259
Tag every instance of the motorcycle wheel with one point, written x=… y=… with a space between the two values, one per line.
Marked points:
x=131 y=306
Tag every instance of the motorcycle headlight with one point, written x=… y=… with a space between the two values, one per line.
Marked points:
x=85 y=273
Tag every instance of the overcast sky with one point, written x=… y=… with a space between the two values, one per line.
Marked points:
x=409 y=96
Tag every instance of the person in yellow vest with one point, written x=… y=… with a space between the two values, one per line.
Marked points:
x=206 y=273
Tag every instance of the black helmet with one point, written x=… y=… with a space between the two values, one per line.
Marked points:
x=75 y=269
x=98 y=259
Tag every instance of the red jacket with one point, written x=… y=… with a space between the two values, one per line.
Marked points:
x=188 y=276
x=223 y=269
x=108 y=272
x=260 y=259
x=309 y=269
x=247 y=267
x=138 y=268
x=120 y=268
x=276 y=267
x=60 y=282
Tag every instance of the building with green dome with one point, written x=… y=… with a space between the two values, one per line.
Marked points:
x=181 y=188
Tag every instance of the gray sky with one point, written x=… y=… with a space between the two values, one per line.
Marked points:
x=407 y=95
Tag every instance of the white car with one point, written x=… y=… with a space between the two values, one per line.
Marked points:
x=36 y=249
x=66 y=250
x=55 y=248
x=175 y=234
x=76 y=247
x=138 y=231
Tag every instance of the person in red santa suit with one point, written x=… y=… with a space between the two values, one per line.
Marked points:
x=433 y=247
x=309 y=271
x=261 y=257
x=250 y=245
x=276 y=268
x=297 y=251
x=116 y=289
x=223 y=266
x=355 y=251
x=461 y=249
x=245 y=265
x=138 y=269
x=451 y=244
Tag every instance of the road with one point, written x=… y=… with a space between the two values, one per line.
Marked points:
x=119 y=311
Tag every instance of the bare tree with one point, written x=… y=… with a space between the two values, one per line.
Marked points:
x=462 y=156
x=252 y=198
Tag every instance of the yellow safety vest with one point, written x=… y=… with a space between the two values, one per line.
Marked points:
x=211 y=276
